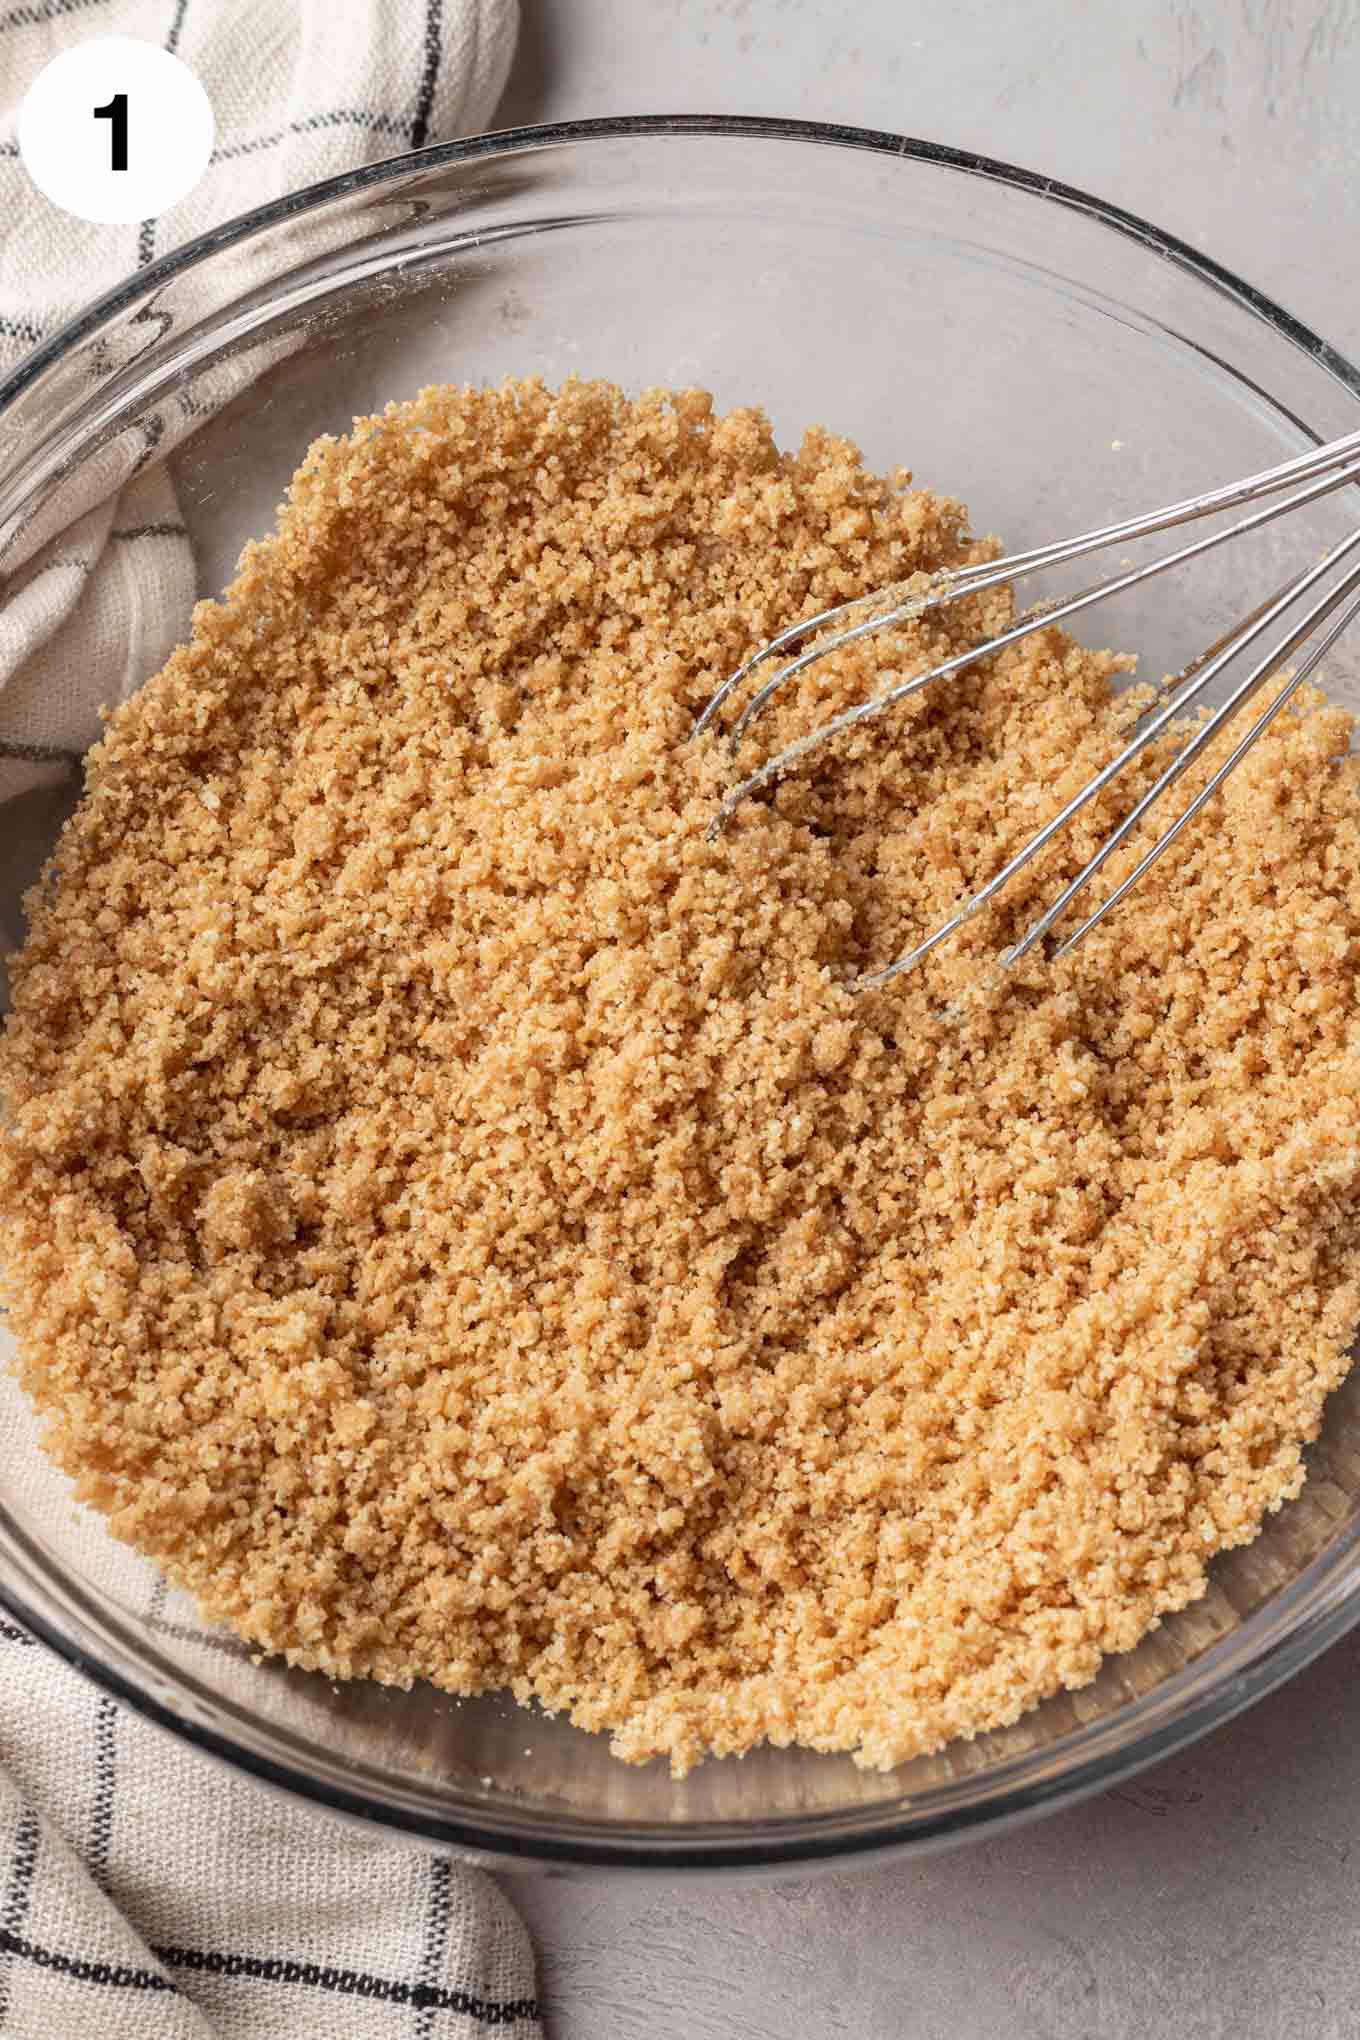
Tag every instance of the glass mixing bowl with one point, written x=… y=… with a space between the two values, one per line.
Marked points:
x=1046 y=357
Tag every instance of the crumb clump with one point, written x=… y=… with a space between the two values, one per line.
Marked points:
x=462 y=1224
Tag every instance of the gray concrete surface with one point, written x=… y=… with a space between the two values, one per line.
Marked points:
x=1215 y=1896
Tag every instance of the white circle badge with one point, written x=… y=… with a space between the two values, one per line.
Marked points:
x=115 y=130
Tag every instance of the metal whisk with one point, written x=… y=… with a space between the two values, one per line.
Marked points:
x=1328 y=467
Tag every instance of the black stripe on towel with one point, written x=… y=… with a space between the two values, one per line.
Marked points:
x=339 y=116
x=386 y=1990
x=437 y=1923
x=429 y=77
x=111 y=1974
x=44 y=10
x=23 y=1869
x=105 y=1778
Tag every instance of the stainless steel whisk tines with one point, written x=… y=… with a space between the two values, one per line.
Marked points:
x=1336 y=604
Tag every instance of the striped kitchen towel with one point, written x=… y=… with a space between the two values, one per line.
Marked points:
x=146 y=1893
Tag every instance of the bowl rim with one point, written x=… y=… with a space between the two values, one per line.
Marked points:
x=503 y=141
x=1292 y=1628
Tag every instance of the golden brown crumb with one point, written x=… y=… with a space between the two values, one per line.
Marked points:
x=463 y=1225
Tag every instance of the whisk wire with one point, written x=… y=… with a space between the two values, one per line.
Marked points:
x=1321 y=470
x=960 y=581
x=1044 y=613
x=1206 y=793
x=1193 y=681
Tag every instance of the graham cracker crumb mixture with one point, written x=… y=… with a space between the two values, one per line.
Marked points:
x=463 y=1225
